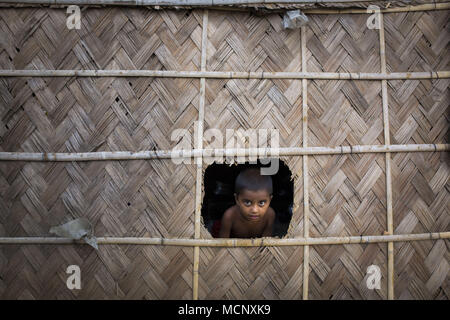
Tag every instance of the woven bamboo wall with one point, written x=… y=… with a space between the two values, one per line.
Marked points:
x=157 y=198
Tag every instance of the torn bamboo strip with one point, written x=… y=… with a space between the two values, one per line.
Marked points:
x=305 y=169
x=229 y=74
x=409 y=8
x=219 y=153
x=220 y=242
x=387 y=141
x=198 y=183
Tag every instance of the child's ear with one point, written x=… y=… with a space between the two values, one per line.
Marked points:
x=236 y=197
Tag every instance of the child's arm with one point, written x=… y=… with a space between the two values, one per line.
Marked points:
x=270 y=219
x=226 y=223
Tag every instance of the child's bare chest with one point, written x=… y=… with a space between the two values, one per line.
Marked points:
x=247 y=230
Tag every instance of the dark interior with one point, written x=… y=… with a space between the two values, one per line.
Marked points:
x=219 y=195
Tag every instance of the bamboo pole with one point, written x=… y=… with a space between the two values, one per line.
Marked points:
x=220 y=242
x=230 y=74
x=198 y=188
x=181 y=3
x=305 y=170
x=174 y=2
x=387 y=141
x=211 y=153
x=219 y=6
x=409 y=8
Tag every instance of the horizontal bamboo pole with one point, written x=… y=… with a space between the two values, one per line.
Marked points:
x=217 y=5
x=211 y=153
x=174 y=2
x=409 y=8
x=229 y=74
x=220 y=242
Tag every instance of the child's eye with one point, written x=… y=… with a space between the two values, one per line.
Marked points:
x=261 y=203
x=247 y=203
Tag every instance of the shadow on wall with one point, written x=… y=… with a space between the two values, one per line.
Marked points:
x=219 y=195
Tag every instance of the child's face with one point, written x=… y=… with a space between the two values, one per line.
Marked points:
x=253 y=205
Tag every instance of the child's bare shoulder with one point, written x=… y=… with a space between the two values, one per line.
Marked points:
x=270 y=213
x=230 y=213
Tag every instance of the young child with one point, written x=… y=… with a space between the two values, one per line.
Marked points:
x=251 y=216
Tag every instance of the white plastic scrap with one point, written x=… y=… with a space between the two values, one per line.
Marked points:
x=294 y=19
x=77 y=229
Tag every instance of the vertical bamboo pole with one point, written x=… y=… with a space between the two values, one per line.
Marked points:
x=199 y=160
x=387 y=141
x=305 y=169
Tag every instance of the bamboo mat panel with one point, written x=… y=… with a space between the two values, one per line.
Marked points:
x=420 y=192
x=340 y=272
x=251 y=273
x=341 y=43
x=129 y=198
x=243 y=41
x=113 y=272
x=132 y=198
x=124 y=198
x=110 y=38
x=111 y=114
x=347 y=195
x=255 y=104
x=422 y=270
x=419 y=111
x=84 y=114
x=344 y=113
x=420 y=197
x=421 y=184
x=417 y=41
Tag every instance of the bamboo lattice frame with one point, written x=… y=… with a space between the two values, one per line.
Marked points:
x=199 y=154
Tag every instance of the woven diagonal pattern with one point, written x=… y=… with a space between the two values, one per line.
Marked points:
x=420 y=193
x=417 y=41
x=251 y=273
x=421 y=187
x=109 y=38
x=245 y=42
x=347 y=198
x=422 y=270
x=340 y=272
x=114 y=272
x=347 y=195
x=244 y=104
x=94 y=114
x=120 y=198
x=342 y=43
x=345 y=113
x=419 y=111
x=156 y=198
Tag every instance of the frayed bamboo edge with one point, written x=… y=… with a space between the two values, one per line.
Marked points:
x=387 y=141
x=305 y=170
x=198 y=183
x=229 y=74
x=217 y=154
x=258 y=242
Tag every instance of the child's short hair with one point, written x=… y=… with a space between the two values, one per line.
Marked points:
x=251 y=179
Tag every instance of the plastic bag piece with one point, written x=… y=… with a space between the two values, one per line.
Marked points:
x=77 y=229
x=294 y=19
